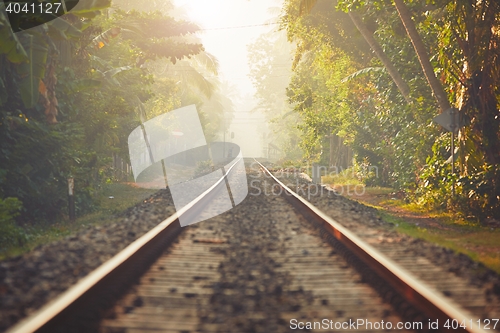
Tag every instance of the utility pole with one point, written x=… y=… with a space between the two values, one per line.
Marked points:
x=450 y=120
x=71 y=198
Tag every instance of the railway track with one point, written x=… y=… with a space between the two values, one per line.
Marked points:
x=274 y=263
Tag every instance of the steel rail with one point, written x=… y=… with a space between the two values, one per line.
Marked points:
x=415 y=292
x=125 y=265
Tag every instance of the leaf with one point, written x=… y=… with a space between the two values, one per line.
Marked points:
x=3 y=92
x=474 y=158
x=112 y=72
x=86 y=84
x=86 y=7
x=9 y=43
x=89 y=15
x=89 y=9
x=103 y=39
x=101 y=61
x=207 y=61
x=132 y=33
x=42 y=89
x=362 y=72
x=108 y=76
x=188 y=74
x=33 y=70
x=62 y=30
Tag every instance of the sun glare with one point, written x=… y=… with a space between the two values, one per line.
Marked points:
x=208 y=14
x=223 y=35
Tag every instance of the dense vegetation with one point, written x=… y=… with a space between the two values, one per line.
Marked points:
x=73 y=89
x=367 y=76
x=376 y=72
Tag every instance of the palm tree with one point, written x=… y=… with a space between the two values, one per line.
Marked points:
x=197 y=72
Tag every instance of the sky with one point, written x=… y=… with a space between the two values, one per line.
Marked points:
x=222 y=38
x=226 y=35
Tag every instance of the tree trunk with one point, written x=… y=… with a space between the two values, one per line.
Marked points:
x=377 y=49
x=423 y=57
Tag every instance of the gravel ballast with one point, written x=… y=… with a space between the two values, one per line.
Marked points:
x=28 y=281
x=365 y=221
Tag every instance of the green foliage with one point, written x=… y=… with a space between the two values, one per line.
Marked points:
x=37 y=159
x=480 y=193
x=33 y=69
x=366 y=110
x=350 y=176
x=434 y=183
x=149 y=35
x=108 y=211
x=62 y=69
x=472 y=75
x=476 y=194
x=9 y=43
x=10 y=233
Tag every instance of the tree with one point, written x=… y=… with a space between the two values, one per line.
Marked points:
x=307 y=5
x=95 y=67
x=195 y=76
x=393 y=72
x=423 y=57
x=372 y=118
x=455 y=46
x=35 y=155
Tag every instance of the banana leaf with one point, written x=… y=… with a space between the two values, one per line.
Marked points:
x=32 y=71
x=114 y=71
x=9 y=43
x=107 y=77
x=3 y=92
x=86 y=7
x=62 y=30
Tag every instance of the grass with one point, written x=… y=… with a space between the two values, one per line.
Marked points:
x=478 y=242
x=379 y=190
x=345 y=177
x=360 y=190
x=123 y=196
x=439 y=227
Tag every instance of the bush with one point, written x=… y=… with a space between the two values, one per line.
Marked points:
x=481 y=192
x=476 y=194
x=10 y=233
x=434 y=185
